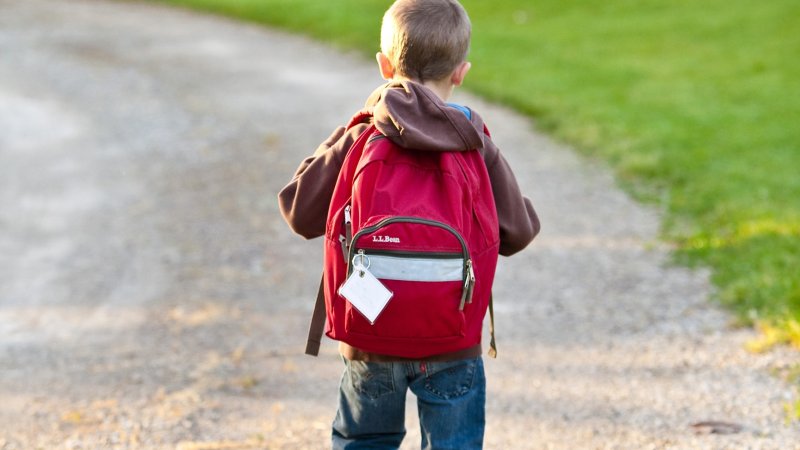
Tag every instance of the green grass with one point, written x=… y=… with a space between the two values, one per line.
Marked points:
x=696 y=105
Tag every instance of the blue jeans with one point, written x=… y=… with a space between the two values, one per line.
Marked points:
x=451 y=398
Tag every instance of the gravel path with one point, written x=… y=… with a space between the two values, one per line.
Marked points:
x=151 y=296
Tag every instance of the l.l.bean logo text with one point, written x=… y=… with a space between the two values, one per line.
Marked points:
x=386 y=239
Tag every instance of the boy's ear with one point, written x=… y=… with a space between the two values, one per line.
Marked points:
x=385 y=66
x=460 y=73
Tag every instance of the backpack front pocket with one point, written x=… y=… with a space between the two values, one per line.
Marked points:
x=426 y=266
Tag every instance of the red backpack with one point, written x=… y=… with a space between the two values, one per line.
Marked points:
x=424 y=224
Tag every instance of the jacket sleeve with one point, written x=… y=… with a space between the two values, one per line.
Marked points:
x=519 y=223
x=305 y=200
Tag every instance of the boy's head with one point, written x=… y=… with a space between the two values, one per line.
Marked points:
x=425 y=40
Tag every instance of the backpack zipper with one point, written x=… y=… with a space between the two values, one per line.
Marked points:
x=469 y=273
x=346 y=239
x=469 y=286
x=413 y=254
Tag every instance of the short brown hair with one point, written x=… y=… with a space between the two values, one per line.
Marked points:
x=425 y=39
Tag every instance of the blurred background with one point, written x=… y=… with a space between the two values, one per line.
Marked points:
x=152 y=297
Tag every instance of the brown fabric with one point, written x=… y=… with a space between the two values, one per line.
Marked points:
x=397 y=111
x=304 y=201
x=353 y=354
x=412 y=116
x=317 y=325
x=492 y=342
x=519 y=223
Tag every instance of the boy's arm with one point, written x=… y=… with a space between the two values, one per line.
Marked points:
x=305 y=200
x=519 y=223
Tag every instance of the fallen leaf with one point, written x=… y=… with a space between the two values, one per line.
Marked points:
x=716 y=427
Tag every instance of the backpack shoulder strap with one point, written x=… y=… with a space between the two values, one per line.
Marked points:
x=363 y=116
x=317 y=326
x=492 y=342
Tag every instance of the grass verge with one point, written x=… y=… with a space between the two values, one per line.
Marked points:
x=695 y=105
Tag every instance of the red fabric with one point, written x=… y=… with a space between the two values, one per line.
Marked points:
x=380 y=180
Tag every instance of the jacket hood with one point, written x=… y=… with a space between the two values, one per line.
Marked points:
x=413 y=116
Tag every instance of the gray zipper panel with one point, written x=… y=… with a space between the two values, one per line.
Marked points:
x=403 y=268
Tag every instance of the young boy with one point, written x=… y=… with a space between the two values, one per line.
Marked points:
x=424 y=45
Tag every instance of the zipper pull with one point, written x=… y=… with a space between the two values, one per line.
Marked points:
x=347 y=239
x=345 y=247
x=471 y=282
x=466 y=292
x=360 y=263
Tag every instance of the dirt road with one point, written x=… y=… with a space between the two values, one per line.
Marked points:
x=151 y=296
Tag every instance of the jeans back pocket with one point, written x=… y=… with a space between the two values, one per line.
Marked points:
x=451 y=379
x=371 y=380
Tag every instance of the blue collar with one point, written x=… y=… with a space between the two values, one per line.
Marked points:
x=467 y=112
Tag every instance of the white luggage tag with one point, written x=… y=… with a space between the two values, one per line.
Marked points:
x=365 y=292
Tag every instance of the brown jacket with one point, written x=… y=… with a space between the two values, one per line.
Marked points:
x=412 y=116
